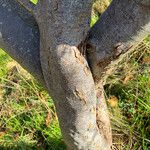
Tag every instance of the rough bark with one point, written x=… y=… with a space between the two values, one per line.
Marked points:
x=67 y=73
x=73 y=62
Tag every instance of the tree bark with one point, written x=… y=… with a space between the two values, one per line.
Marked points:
x=19 y=37
x=54 y=42
x=121 y=27
x=66 y=72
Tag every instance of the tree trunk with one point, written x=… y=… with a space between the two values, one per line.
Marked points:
x=54 y=42
x=67 y=74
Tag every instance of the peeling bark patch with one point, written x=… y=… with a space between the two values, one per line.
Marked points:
x=80 y=95
x=120 y=48
x=99 y=94
x=90 y=126
x=87 y=70
x=93 y=110
x=103 y=129
x=78 y=56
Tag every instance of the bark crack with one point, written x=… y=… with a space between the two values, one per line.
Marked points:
x=81 y=96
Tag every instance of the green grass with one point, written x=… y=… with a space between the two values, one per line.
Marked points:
x=34 y=1
x=94 y=20
x=28 y=117
x=4 y=58
x=131 y=116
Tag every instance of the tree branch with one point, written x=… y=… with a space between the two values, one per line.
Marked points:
x=122 y=26
x=19 y=37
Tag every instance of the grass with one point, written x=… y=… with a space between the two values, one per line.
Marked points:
x=128 y=94
x=34 y=1
x=28 y=118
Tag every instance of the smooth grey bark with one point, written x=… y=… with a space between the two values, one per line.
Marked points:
x=74 y=62
x=119 y=30
x=19 y=37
